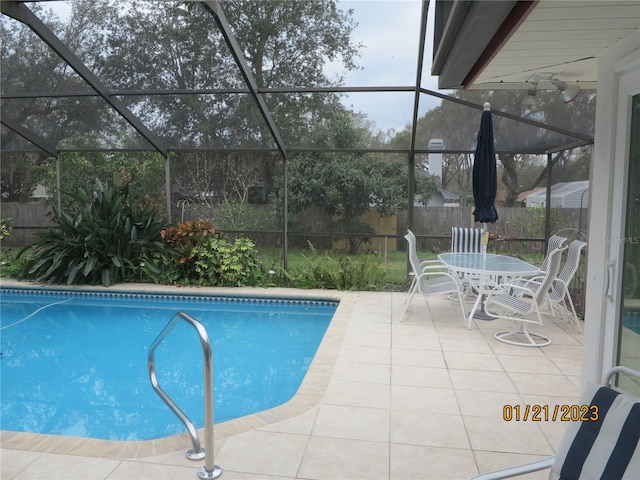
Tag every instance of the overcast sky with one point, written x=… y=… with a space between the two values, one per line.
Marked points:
x=389 y=31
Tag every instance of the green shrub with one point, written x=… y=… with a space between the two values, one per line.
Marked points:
x=10 y=266
x=5 y=228
x=183 y=240
x=219 y=262
x=105 y=239
x=363 y=272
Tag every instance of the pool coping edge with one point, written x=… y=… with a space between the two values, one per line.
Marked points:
x=308 y=395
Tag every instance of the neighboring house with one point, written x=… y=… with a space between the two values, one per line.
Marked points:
x=522 y=196
x=565 y=45
x=39 y=192
x=563 y=195
x=442 y=198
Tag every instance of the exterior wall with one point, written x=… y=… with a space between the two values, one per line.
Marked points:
x=607 y=194
x=436 y=200
x=574 y=199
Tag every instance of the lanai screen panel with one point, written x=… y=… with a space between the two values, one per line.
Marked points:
x=76 y=123
x=178 y=77
x=306 y=120
x=457 y=125
x=203 y=121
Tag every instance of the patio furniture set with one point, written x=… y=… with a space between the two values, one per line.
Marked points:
x=501 y=287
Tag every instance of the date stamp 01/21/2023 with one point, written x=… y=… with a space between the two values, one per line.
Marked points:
x=546 y=413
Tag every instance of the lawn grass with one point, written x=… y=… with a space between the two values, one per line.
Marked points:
x=394 y=264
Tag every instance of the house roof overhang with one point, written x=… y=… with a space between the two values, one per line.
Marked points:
x=503 y=45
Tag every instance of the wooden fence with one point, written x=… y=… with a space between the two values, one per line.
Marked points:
x=513 y=222
x=26 y=220
x=516 y=222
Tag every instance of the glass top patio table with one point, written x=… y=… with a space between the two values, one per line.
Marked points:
x=488 y=264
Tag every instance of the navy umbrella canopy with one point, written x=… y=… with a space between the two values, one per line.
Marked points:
x=485 y=176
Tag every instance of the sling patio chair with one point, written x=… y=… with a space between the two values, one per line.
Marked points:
x=601 y=439
x=555 y=241
x=517 y=301
x=467 y=240
x=422 y=263
x=430 y=279
x=559 y=293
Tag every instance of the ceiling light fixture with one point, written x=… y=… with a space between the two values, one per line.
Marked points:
x=530 y=102
x=569 y=92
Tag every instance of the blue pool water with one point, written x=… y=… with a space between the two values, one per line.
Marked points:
x=76 y=363
x=631 y=319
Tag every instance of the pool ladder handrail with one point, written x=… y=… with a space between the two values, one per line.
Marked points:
x=210 y=470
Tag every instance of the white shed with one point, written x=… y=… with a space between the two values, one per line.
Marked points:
x=441 y=198
x=563 y=195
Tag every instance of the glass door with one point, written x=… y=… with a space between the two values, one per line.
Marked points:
x=629 y=321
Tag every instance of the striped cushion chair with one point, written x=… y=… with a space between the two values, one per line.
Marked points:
x=466 y=240
x=603 y=444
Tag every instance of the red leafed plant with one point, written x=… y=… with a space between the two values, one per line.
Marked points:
x=187 y=235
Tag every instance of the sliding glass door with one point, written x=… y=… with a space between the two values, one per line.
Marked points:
x=628 y=352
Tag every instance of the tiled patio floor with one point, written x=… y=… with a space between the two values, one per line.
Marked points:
x=420 y=398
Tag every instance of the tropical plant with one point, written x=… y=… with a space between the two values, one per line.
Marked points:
x=183 y=240
x=103 y=239
x=219 y=262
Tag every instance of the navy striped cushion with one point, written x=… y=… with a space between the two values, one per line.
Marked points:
x=466 y=239
x=606 y=448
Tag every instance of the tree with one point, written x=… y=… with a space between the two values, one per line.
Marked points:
x=458 y=126
x=20 y=173
x=347 y=185
x=143 y=172
x=285 y=44
x=29 y=66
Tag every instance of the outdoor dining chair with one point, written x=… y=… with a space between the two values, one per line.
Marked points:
x=601 y=440
x=430 y=279
x=467 y=240
x=559 y=293
x=517 y=301
x=555 y=241
x=423 y=263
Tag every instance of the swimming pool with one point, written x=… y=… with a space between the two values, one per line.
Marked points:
x=75 y=363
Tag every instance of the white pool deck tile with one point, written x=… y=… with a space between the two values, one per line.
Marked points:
x=385 y=398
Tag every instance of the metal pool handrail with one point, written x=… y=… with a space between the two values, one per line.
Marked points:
x=210 y=470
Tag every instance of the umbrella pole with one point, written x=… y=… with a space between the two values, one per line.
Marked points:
x=481 y=314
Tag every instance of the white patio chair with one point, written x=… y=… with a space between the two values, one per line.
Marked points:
x=515 y=300
x=430 y=279
x=601 y=441
x=423 y=263
x=559 y=293
x=555 y=241
x=467 y=240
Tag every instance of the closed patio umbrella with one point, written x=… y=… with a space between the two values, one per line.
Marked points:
x=485 y=177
